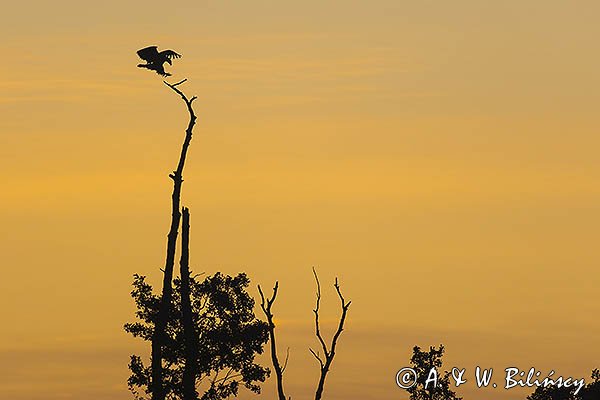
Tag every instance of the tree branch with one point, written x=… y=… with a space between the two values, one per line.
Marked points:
x=265 y=305
x=316 y=356
x=159 y=337
x=329 y=353
x=285 y=363
x=316 y=311
x=189 y=331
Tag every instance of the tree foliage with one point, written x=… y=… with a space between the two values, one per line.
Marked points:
x=423 y=362
x=591 y=391
x=228 y=335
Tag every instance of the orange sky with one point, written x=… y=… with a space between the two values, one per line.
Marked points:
x=439 y=157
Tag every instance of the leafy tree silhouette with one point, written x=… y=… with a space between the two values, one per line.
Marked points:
x=590 y=392
x=227 y=333
x=553 y=393
x=423 y=362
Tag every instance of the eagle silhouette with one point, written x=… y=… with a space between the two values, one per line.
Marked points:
x=155 y=59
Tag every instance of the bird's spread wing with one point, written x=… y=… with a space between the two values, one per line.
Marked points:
x=149 y=54
x=170 y=54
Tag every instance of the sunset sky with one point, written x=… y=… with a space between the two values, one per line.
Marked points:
x=439 y=157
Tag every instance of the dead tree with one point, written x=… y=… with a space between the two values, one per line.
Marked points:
x=328 y=353
x=190 y=344
x=158 y=339
x=326 y=360
x=279 y=370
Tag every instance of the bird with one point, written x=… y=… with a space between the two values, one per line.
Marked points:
x=155 y=59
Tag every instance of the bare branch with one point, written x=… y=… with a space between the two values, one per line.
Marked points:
x=345 y=307
x=214 y=379
x=285 y=363
x=265 y=305
x=316 y=311
x=176 y=84
x=228 y=377
x=316 y=355
x=329 y=353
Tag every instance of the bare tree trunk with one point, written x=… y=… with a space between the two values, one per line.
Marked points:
x=158 y=338
x=328 y=353
x=279 y=370
x=189 y=333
